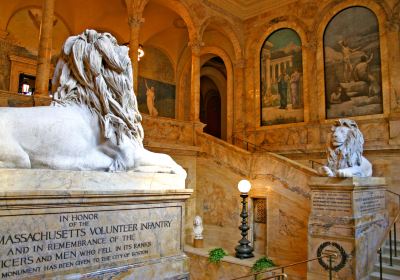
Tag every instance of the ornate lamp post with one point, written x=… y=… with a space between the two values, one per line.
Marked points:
x=244 y=250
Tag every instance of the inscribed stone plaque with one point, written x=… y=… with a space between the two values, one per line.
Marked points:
x=76 y=240
x=369 y=202
x=333 y=202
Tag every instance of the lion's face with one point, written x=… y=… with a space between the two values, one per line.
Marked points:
x=339 y=135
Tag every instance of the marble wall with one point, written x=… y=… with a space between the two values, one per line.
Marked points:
x=8 y=48
x=284 y=184
x=201 y=269
x=309 y=19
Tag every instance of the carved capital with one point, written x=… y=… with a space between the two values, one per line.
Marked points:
x=311 y=46
x=240 y=63
x=393 y=24
x=135 y=21
x=196 y=46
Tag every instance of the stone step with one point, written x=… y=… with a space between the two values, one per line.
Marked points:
x=387 y=269
x=386 y=259
x=386 y=250
x=387 y=242
x=376 y=276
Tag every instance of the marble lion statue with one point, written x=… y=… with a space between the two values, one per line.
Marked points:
x=93 y=122
x=344 y=152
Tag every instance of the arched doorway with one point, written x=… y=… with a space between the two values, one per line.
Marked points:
x=210 y=108
x=213 y=88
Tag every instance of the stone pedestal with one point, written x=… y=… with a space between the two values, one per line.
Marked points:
x=198 y=243
x=349 y=218
x=91 y=225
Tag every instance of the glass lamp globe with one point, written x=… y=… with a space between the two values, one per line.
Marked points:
x=244 y=186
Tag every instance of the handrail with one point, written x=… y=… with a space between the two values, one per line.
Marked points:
x=282 y=268
x=282 y=276
x=257 y=147
x=393 y=192
x=383 y=239
x=387 y=233
x=315 y=162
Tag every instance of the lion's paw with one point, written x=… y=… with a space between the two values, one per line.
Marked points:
x=343 y=173
x=117 y=166
x=325 y=171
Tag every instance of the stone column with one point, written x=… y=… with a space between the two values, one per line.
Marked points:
x=239 y=72
x=314 y=112
x=44 y=51
x=393 y=38
x=348 y=218
x=195 y=81
x=134 y=23
x=273 y=72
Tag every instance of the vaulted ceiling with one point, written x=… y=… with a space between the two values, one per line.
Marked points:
x=245 y=9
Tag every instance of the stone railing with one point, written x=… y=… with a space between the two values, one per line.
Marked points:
x=170 y=131
x=11 y=99
x=281 y=181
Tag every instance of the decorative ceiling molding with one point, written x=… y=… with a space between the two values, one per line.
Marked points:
x=245 y=9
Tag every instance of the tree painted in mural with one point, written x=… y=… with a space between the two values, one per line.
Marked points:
x=281 y=78
x=352 y=64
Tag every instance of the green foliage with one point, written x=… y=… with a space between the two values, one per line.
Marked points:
x=262 y=264
x=215 y=255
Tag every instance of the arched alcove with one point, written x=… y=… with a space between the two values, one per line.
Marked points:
x=210 y=106
x=352 y=64
x=167 y=29
x=214 y=79
x=156 y=76
x=281 y=81
x=24 y=27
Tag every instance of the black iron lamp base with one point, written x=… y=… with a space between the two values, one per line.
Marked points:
x=244 y=251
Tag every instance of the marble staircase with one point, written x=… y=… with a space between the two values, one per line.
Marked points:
x=389 y=272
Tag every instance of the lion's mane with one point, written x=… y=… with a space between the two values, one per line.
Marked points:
x=93 y=70
x=348 y=154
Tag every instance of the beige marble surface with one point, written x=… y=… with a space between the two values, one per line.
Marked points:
x=77 y=225
x=282 y=182
x=201 y=269
x=59 y=182
x=349 y=213
x=340 y=183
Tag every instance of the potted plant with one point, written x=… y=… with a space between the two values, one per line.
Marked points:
x=262 y=264
x=215 y=255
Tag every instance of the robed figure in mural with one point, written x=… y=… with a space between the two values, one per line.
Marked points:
x=282 y=89
x=295 y=89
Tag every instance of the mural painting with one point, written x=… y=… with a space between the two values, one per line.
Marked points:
x=352 y=64
x=156 y=91
x=281 y=78
x=156 y=98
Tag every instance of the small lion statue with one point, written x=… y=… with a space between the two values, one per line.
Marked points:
x=344 y=152
x=93 y=122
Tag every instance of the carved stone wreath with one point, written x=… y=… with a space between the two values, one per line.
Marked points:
x=342 y=256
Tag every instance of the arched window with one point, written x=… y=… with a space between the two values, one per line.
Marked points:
x=282 y=90
x=352 y=64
